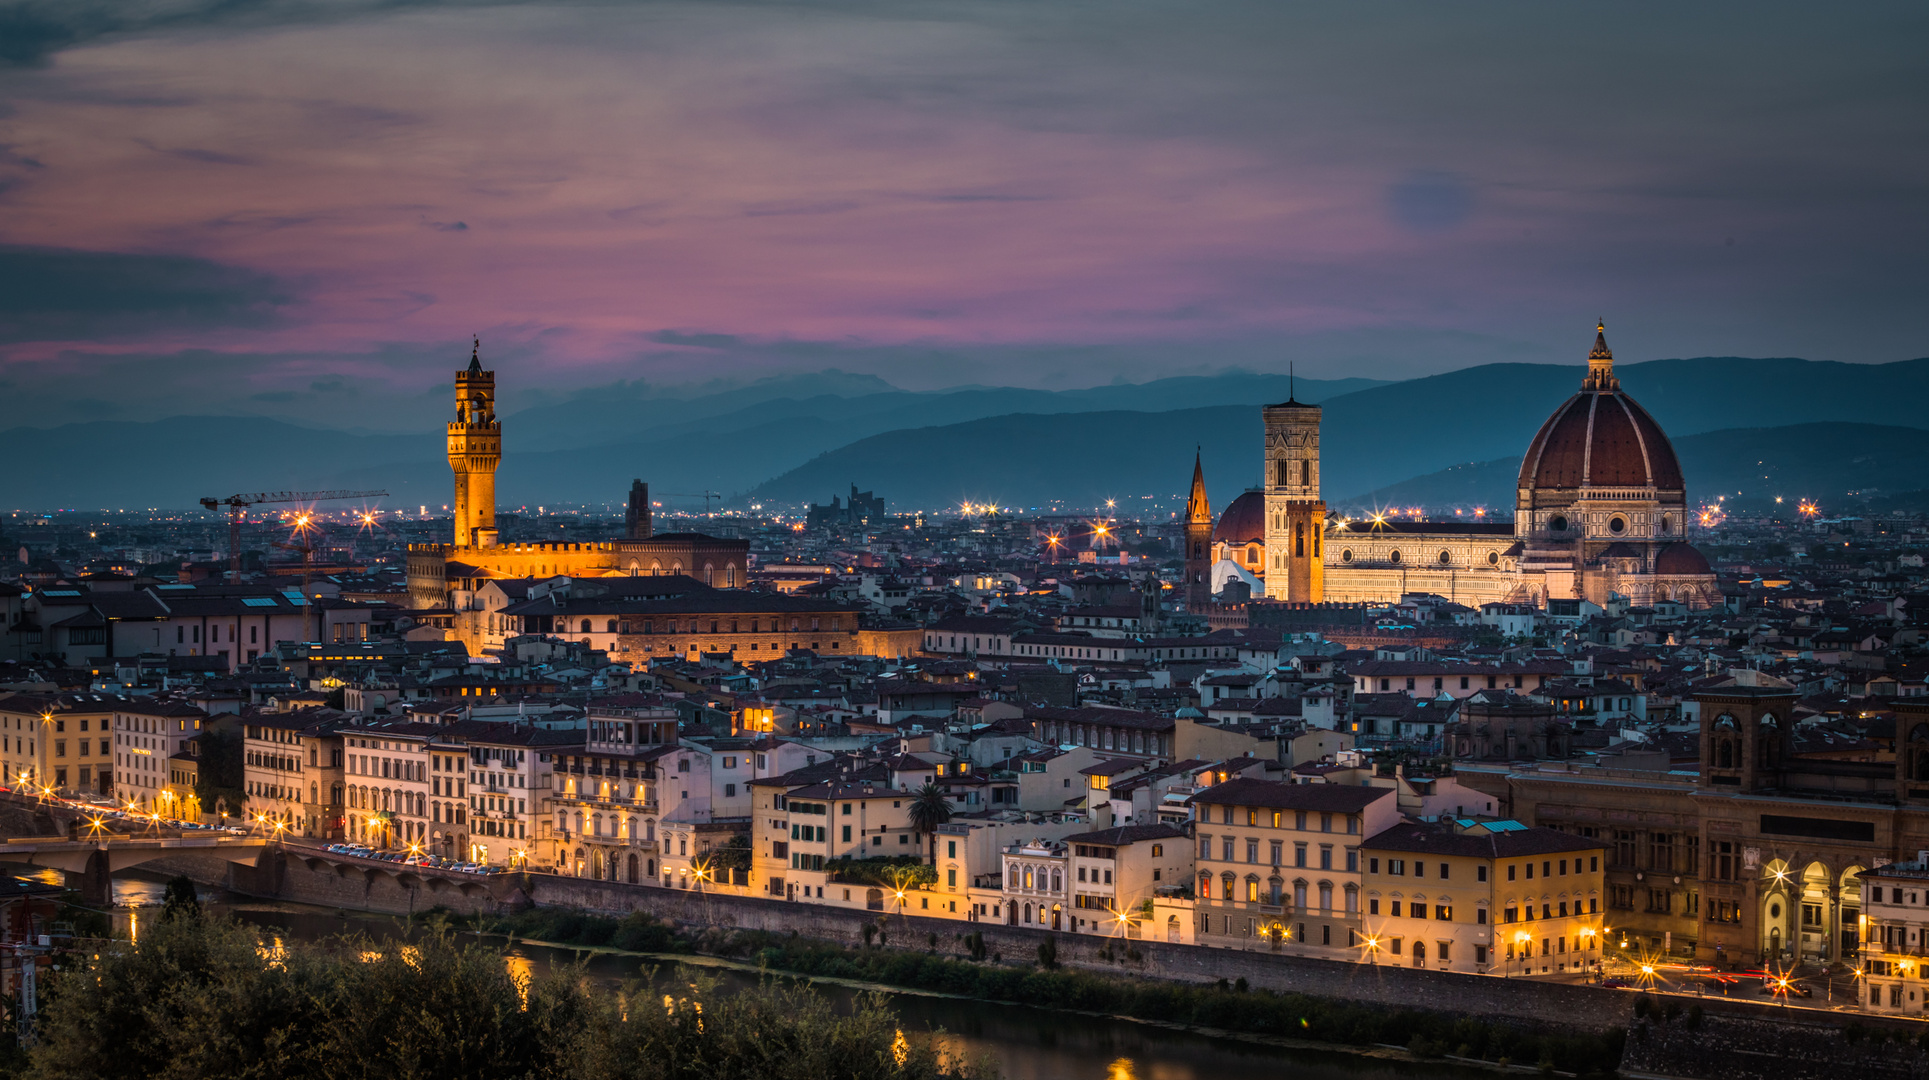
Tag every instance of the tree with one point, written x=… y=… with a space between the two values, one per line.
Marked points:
x=928 y=811
x=180 y=901
x=219 y=780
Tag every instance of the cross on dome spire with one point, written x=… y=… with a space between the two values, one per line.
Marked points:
x=475 y=356
x=1600 y=363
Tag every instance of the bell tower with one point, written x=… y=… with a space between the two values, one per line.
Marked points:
x=475 y=449
x=1295 y=513
x=1198 y=542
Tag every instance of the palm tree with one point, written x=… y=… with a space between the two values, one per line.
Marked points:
x=928 y=811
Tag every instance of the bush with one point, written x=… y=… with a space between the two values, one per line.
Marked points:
x=203 y=998
x=1048 y=953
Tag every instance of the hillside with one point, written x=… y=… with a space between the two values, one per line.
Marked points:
x=803 y=438
x=586 y=451
x=1829 y=462
x=1373 y=438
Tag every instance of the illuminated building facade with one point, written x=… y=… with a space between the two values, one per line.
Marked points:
x=446 y=575
x=1489 y=897
x=1762 y=858
x=1601 y=509
x=1295 y=513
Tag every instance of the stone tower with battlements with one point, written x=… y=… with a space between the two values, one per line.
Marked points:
x=475 y=449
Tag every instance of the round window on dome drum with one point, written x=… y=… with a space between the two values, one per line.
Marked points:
x=1446 y=556
x=1394 y=557
x=1557 y=523
x=1493 y=558
x=1346 y=555
x=1617 y=525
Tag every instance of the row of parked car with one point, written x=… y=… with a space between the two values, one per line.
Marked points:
x=406 y=858
x=106 y=808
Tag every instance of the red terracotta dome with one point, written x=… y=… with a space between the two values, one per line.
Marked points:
x=1679 y=560
x=1600 y=438
x=1244 y=521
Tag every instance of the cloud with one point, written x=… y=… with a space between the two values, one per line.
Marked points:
x=1429 y=202
x=59 y=294
x=29 y=33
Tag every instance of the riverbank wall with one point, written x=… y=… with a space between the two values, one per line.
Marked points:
x=298 y=877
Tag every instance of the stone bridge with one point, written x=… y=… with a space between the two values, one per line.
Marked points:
x=95 y=861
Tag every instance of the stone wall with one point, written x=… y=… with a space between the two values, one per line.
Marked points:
x=344 y=884
x=1737 y=1043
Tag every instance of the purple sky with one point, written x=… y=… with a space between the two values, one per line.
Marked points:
x=305 y=208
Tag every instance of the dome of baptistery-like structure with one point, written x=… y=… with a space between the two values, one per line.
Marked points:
x=1241 y=533
x=1244 y=521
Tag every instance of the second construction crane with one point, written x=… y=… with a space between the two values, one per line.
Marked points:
x=238 y=504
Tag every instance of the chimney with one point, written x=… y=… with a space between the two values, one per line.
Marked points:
x=636 y=522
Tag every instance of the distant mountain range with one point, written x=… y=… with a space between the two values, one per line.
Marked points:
x=1829 y=462
x=1372 y=439
x=804 y=438
x=586 y=450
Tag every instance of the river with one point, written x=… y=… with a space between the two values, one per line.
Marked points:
x=1025 y=1043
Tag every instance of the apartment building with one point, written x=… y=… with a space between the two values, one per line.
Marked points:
x=148 y=734
x=292 y=770
x=607 y=793
x=386 y=780
x=807 y=819
x=488 y=800
x=62 y=742
x=1493 y=896
x=1278 y=864
x=1116 y=873
x=1895 y=938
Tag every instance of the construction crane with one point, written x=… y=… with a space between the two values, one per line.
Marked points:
x=237 y=504
x=706 y=496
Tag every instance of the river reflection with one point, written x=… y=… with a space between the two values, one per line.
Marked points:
x=1023 y=1043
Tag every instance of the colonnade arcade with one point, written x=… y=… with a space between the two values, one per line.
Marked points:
x=1809 y=911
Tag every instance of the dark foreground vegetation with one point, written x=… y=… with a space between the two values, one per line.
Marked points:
x=968 y=972
x=200 y=998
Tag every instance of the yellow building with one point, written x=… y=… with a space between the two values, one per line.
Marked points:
x=1482 y=897
x=1279 y=863
x=62 y=742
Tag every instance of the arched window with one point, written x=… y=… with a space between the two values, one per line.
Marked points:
x=611 y=629
x=586 y=626
x=1299 y=540
x=1918 y=754
x=1252 y=889
x=1768 y=740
